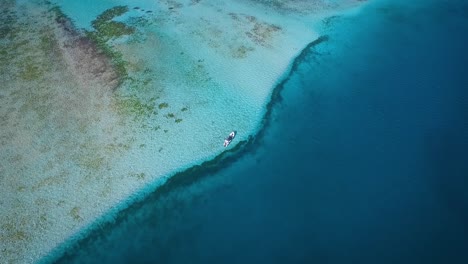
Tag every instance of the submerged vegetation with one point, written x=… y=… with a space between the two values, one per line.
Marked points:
x=59 y=15
x=30 y=72
x=7 y=19
x=75 y=214
x=112 y=13
x=163 y=105
x=132 y=105
x=107 y=29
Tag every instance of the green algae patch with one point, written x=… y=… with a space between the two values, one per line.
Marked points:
x=43 y=218
x=114 y=148
x=139 y=176
x=49 y=45
x=178 y=120
x=30 y=72
x=93 y=163
x=91 y=156
x=136 y=107
x=119 y=64
x=112 y=13
x=113 y=29
x=107 y=29
x=47 y=42
x=163 y=105
x=11 y=233
x=140 y=84
x=241 y=52
x=19 y=235
x=75 y=214
x=262 y=32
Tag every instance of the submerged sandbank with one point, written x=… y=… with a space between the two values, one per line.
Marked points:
x=91 y=120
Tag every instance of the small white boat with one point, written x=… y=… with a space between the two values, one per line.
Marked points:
x=228 y=140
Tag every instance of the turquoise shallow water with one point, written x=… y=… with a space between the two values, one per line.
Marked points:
x=362 y=161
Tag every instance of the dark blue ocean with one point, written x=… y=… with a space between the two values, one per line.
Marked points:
x=363 y=159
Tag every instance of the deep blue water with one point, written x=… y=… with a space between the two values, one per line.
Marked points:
x=363 y=160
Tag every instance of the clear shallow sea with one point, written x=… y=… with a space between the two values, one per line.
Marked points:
x=362 y=161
